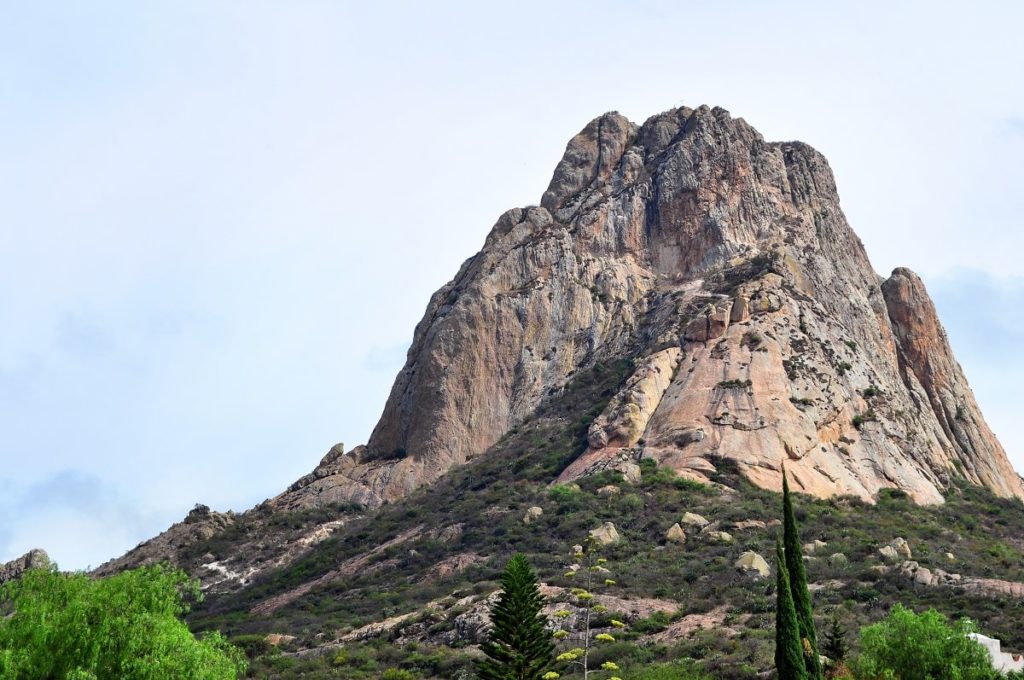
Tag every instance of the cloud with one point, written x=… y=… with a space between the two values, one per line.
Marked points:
x=1015 y=125
x=75 y=516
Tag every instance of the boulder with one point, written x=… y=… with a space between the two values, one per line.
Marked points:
x=717 y=536
x=278 y=639
x=753 y=565
x=630 y=472
x=605 y=534
x=694 y=520
x=749 y=524
x=813 y=547
x=901 y=547
x=675 y=534
x=888 y=553
x=532 y=514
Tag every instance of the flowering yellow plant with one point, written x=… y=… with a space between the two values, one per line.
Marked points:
x=590 y=573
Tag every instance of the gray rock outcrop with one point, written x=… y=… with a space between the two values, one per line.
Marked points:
x=33 y=559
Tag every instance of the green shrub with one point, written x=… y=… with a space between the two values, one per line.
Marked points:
x=861 y=418
x=564 y=493
x=396 y=674
x=122 y=626
x=681 y=670
x=908 y=645
x=632 y=501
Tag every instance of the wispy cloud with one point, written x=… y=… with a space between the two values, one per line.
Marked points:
x=72 y=514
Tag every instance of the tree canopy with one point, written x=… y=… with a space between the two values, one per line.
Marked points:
x=924 y=646
x=74 y=627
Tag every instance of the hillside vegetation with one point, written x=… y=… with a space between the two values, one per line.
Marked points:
x=473 y=520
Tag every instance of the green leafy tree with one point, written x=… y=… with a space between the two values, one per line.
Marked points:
x=789 y=661
x=909 y=646
x=73 y=627
x=519 y=645
x=595 y=575
x=798 y=584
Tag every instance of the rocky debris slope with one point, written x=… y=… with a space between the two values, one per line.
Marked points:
x=200 y=523
x=935 y=577
x=33 y=559
x=722 y=265
x=228 y=551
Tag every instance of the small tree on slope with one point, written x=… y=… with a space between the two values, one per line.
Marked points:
x=798 y=584
x=789 y=657
x=519 y=645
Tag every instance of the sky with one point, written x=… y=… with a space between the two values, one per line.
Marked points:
x=220 y=221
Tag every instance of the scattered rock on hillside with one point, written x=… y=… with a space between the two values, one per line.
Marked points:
x=631 y=473
x=896 y=549
x=902 y=547
x=750 y=524
x=986 y=587
x=753 y=565
x=717 y=536
x=606 y=534
x=693 y=519
x=888 y=553
x=533 y=514
x=814 y=546
x=675 y=534
x=278 y=639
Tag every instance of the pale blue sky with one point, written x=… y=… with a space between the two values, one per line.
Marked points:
x=220 y=221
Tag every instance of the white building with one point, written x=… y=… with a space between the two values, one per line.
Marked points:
x=1001 y=661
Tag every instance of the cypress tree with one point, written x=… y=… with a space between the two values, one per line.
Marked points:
x=518 y=646
x=798 y=584
x=789 y=653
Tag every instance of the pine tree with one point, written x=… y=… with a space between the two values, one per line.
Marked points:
x=798 y=584
x=518 y=646
x=789 y=656
x=835 y=647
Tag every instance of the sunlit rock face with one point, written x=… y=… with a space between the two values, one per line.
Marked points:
x=722 y=267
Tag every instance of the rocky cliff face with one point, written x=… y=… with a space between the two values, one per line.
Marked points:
x=33 y=559
x=723 y=267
